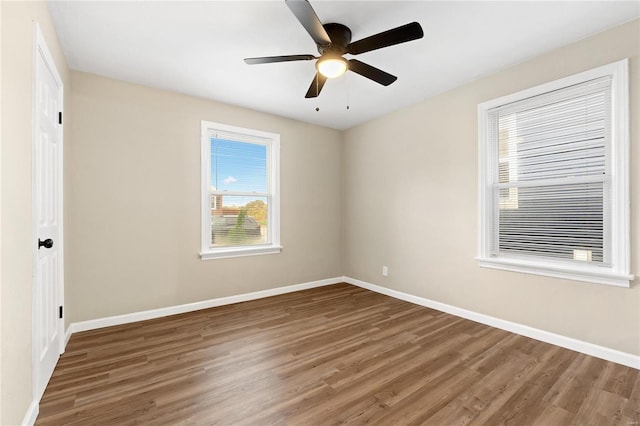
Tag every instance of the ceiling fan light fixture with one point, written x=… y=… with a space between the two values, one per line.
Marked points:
x=334 y=40
x=332 y=67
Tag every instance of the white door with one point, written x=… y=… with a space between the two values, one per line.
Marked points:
x=47 y=198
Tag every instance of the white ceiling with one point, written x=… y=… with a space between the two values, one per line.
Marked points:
x=197 y=48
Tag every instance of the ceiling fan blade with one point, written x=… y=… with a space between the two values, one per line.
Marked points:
x=316 y=86
x=307 y=16
x=270 y=59
x=371 y=73
x=391 y=37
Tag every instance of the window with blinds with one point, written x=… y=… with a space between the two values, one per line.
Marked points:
x=554 y=178
x=240 y=208
x=551 y=181
x=239 y=196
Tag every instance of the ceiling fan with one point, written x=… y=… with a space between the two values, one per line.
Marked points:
x=334 y=41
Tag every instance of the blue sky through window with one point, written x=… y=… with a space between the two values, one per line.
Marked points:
x=238 y=167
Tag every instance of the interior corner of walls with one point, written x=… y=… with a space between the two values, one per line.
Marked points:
x=31 y=415
x=67 y=335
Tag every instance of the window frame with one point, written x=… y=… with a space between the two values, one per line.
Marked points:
x=617 y=273
x=272 y=142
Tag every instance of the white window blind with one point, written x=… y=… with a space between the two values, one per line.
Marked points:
x=240 y=202
x=240 y=198
x=553 y=189
x=552 y=177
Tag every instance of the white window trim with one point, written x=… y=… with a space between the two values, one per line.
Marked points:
x=273 y=166
x=618 y=273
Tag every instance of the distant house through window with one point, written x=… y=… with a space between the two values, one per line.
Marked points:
x=240 y=200
x=554 y=178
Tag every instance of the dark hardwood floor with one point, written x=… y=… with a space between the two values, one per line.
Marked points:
x=335 y=354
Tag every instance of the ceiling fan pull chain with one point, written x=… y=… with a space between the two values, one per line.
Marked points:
x=348 y=87
x=317 y=78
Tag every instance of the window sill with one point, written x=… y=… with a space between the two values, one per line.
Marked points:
x=239 y=252
x=587 y=273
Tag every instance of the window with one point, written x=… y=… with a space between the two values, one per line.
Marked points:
x=553 y=178
x=240 y=200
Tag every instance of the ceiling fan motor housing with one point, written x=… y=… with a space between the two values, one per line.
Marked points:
x=340 y=36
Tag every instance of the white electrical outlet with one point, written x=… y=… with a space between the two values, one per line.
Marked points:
x=385 y=271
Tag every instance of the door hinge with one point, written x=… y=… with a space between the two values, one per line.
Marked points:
x=60 y=311
x=60 y=117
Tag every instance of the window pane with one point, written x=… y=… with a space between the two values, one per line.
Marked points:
x=560 y=221
x=551 y=172
x=560 y=139
x=238 y=166
x=238 y=220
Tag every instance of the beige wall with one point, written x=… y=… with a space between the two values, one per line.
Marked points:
x=411 y=203
x=15 y=213
x=1 y=394
x=133 y=202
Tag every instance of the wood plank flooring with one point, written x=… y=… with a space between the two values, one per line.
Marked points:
x=335 y=354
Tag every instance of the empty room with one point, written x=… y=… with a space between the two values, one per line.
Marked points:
x=320 y=212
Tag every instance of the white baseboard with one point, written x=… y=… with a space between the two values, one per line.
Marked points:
x=188 y=307
x=67 y=336
x=602 y=352
x=597 y=351
x=32 y=413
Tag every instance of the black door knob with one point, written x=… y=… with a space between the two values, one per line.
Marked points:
x=48 y=243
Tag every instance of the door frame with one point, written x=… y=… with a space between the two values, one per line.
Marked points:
x=40 y=49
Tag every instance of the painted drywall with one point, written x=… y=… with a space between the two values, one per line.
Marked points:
x=411 y=204
x=15 y=221
x=133 y=202
x=0 y=213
